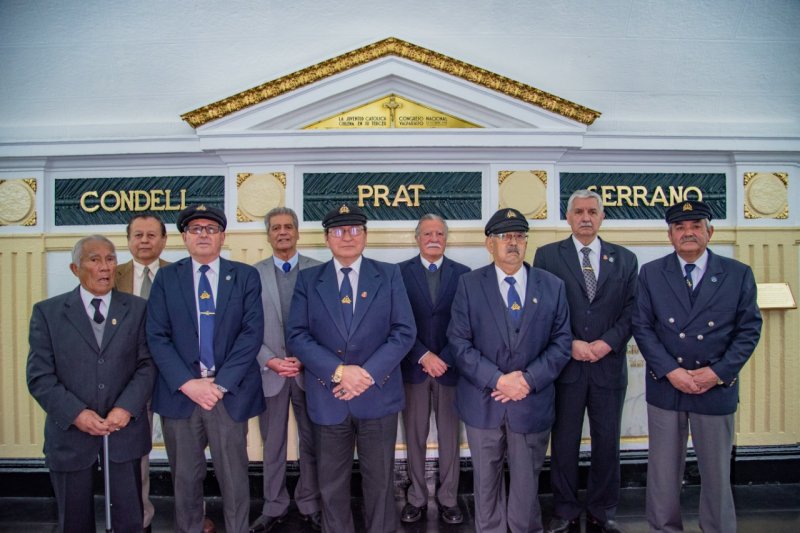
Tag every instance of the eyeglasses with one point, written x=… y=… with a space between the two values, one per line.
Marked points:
x=354 y=231
x=197 y=229
x=508 y=237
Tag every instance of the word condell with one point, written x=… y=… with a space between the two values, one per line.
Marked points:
x=136 y=200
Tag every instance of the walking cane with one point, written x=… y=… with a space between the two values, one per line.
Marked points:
x=107 y=483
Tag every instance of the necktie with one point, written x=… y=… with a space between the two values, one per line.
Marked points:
x=346 y=297
x=205 y=300
x=688 y=267
x=432 y=267
x=433 y=282
x=98 y=316
x=146 y=284
x=588 y=274
x=287 y=267
x=514 y=302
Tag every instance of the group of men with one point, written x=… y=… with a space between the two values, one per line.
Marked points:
x=518 y=353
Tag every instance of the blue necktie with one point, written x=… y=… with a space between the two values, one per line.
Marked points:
x=346 y=297
x=688 y=267
x=287 y=267
x=432 y=267
x=514 y=302
x=206 y=303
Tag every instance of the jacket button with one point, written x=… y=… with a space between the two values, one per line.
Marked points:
x=101 y=361
x=101 y=386
x=340 y=352
x=682 y=335
x=699 y=337
x=671 y=320
x=711 y=323
x=680 y=360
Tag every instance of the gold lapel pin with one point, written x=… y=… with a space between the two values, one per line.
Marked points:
x=113 y=321
x=535 y=300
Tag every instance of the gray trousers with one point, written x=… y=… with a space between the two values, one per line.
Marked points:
x=519 y=511
x=712 y=437
x=186 y=440
x=147 y=505
x=420 y=399
x=273 y=424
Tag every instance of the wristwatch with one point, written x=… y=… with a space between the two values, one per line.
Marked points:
x=220 y=388
x=337 y=374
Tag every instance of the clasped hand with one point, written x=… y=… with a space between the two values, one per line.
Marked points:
x=511 y=387
x=693 y=381
x=355 y=380
x=90 y=422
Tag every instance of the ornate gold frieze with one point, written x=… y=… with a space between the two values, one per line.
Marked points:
x=390 y=47
x=525 y=190
x=391 y=111
x=766 y=195
x=258 y=193
x=18 y=202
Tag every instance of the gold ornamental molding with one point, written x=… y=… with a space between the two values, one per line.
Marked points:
x=18 y=202
x=390 y=47
x=766 y=195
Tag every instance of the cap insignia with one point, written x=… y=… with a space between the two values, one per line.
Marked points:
x=687 y=206
x=346 y=300
x=344 y=210
x=511 y=214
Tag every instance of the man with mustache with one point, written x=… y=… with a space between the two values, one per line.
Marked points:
x=511 y=334
x=696 y=323
x=429 y=374
x=600 y=279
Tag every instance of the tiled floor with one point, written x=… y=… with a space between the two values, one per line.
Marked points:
x=760 y=509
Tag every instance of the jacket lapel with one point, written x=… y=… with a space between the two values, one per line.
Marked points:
x=674 y=279
x=271 y=287
x=369 y=283
x=116 y=314
x=445 y=280
x=607 y=265
x=225 y=282
x=328 y=291
x=709 y=285
x=496 y=307
x=186 y=289
x=566 y=251
x=421 y=281
x=76 y=315
x=533 y=296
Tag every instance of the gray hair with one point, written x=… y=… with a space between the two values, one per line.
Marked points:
x=77 y=250
x=275 y=211
x=584 y=193
x=430 y=216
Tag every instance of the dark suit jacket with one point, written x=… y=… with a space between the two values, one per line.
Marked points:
x=381 y=334
x=720 y=330
x=432 y=320
x=123 y=280
x=67 y=373
x=238 y=331
x=607 y=317
x=483 y=351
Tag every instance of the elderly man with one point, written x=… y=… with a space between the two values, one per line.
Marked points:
x=147 y=237
x=205 y=326
x=600 y=279
x=350 y=325
x=282 y=379
x=696 y=324
x=429 y=372
x=90 y=370
x=510 y=331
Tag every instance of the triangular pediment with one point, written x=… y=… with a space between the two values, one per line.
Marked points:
x=450 y=92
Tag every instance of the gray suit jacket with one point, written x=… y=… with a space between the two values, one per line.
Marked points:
x=68 y=372
x=274 y=344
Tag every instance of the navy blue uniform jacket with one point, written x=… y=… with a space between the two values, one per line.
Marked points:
x=721 y=330
x=172 y=334
x=380 y=336
x=432 y=319
x=483 y=350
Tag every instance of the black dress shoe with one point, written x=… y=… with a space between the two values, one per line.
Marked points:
x=451 y=515
x=147 y=529
x=412 y=513
x=562 y=525
x=265 y=523
x=609 y=526
x=315 y=519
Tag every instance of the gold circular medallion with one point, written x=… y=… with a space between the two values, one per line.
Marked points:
x=258 y=194
x=522 y=190
x=17 y=202
x=766 y=195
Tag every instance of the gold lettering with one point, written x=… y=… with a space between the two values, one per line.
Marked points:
x=695 y=190
x=155 y=195
x=417 y=187
x=606 y=192
x=623 y=193
x=659 y=197
x=183 y=199
x=381 y=193
x=402 y=196
x=126 y=200
x=140 y=197
x=675 y=195
x=84 y=206
x=104 y=203
x=364 y=191
x=640 y=194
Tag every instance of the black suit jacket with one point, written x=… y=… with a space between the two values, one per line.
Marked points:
x=68 y=372
x=607 y=317
x=432 y=319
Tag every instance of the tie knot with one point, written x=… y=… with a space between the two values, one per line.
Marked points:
x=146 y=271
x=204 y=268
x=96 y=303
x=432 y=267
x=346 y=270
x=688 y=267
x=585 y=251
x=287 y=266
x=511 y=281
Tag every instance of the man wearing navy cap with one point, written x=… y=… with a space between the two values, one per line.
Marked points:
x=351 y=324
x=205 y=325
x=510 y=330
x=696 y=325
